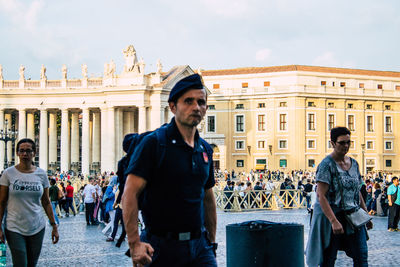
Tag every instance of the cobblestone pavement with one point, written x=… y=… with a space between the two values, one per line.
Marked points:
x=82 y=245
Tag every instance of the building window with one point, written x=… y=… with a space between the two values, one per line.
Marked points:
x=282 y=104
x=342 y=84
x=216 y=86
x=331 y=105
x=388 y=124
x=239 y=106
x=283 y=163
x=369 y=106
x=350 y=122
x=333 y=84
x=323 y=83
x=240 y=163
x=370 y=123
x=261 y=105
x=361 y=85
x=282 y=122
x=282 y=144
x=311 y=163
x=349 y=105
x=240 y=123
x=311 y=104
x=388 y=107
x=331 y=121
x=388 y=145
x=388 y=163
x=261 y=122
x=261 y=144
x=211 y=124
x=311 y=122
x=267 y=83
x=245 y=85
x=379 y=86
x=370 y=145
x=239 y=145
x=211 y=107
x=311 y=144
x=352 y=145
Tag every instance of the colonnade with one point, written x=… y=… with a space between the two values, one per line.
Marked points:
x=89 y=137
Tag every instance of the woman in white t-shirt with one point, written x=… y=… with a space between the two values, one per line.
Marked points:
x=24 y=190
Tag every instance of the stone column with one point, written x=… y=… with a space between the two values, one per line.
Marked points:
x=111 y=139
x=9 y=144
x=142 y=119
x=74 y=137
x=64 y=141
x=30 y=127
x=85 y=141
x=43 y=138
x=52 y=137
x=21 y=124
x=96 y=137
x=119 y=131
x=103 y=140
x=2 y=147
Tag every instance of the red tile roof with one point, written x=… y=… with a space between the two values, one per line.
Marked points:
x=255 y=70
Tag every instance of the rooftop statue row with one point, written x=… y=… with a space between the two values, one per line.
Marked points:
x=132 y=67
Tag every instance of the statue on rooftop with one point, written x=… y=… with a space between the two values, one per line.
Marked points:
x=1 y=72
x=43 y=72
x=159 y=66
x=111 y=71
x=64 y=71
x=84 y=71
x=22 y=72
x=130 y=58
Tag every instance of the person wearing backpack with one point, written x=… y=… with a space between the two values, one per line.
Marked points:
x=178 y=205
x=394 y=205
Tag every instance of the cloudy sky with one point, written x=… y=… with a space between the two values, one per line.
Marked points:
x=210 y=34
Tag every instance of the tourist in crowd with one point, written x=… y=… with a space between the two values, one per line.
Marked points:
x=69 y=199
x=89 y=196
x=62 y=200
x=376 y=195
x=394 y=205
x=308 y=188
x=338 y=191
x=53 y=194
x=108 y=200
x=24 y=191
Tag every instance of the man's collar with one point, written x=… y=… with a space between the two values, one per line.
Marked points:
x=174 y=133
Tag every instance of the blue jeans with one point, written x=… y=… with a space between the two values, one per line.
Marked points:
x=355 y=246
x=54 y=205
x=169 y=252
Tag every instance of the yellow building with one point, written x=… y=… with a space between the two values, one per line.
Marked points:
x=280 y=117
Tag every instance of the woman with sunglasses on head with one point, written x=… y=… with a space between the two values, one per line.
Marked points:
x=24 y=190
x=338 y=195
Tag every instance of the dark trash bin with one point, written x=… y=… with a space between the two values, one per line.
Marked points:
x=263 y=243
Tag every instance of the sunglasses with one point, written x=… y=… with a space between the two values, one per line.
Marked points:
x=344 y=142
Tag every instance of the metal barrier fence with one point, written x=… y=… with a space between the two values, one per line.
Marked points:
x=259 y=200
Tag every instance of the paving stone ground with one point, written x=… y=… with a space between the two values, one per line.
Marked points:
x=82 y=245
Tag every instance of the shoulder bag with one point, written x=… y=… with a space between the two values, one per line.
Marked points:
x=356 y=217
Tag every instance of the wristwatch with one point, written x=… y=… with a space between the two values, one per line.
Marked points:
x=215 y=246
x=53 y=223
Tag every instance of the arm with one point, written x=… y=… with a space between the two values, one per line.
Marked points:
x=364 y=207
x=322 y=189
x=141 y=252
x=49 y=212
x=3 y=204
x=210 y=214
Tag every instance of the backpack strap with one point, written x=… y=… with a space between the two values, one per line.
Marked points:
x=161 y=134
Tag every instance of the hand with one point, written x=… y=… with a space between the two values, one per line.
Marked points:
x=370 y=225
x=337 y=228
x=54 y=235
x=1 y=236
x=141 y=253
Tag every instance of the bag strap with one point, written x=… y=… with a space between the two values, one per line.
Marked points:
x=336 y=175
x=161 y=134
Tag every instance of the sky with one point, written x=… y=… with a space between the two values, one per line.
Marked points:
x=206 y=34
